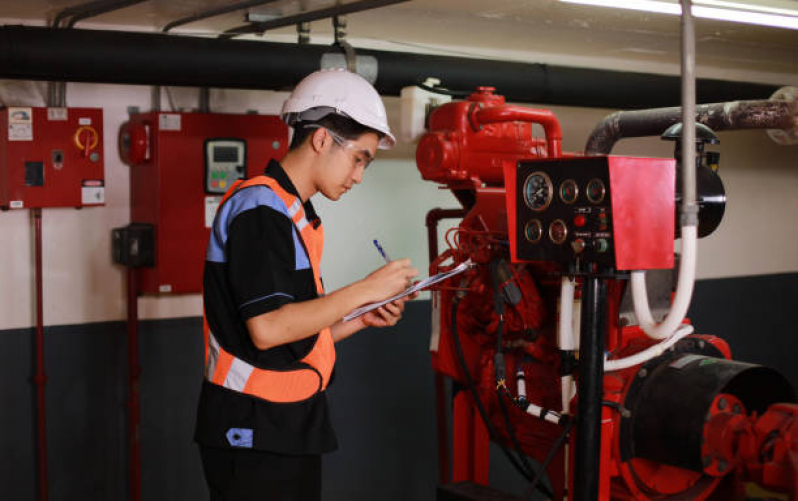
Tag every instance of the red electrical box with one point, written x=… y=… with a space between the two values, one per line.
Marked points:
x=181 y=165
x=51 y=157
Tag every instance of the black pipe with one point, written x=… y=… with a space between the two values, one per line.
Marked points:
x=591 y=382
x=760 y=114
x=34 y=53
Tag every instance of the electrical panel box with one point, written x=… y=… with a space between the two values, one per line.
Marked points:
x=617 y=212
x=51 y=157
x=181 y=166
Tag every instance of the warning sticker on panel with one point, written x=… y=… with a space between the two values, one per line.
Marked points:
x=20 y=124
x=92 y=192
x=211 y=206
x=169 y=121
x=17 y=204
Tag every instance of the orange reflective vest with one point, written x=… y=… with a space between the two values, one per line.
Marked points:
x=293 y=385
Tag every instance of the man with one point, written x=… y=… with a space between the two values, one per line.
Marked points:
x=270 y=330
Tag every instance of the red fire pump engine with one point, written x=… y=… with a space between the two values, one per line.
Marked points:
x=549 y=358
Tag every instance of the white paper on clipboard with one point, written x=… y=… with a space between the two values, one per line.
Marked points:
x=418 y=286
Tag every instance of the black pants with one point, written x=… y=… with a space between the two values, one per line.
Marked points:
x=247 y=475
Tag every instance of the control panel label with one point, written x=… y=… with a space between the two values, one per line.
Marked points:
x=57 y=114
x=211 y=206
x=169 y=121
x=20 y=124
x=92 y=192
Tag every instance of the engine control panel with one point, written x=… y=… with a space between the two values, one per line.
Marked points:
x=617 y=212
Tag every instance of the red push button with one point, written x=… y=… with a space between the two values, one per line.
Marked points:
x=579 y=221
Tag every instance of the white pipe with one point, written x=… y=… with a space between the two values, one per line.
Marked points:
x=565 y=330
x=567 y=389
x=684 y=291
x=649 y=353
x=520 y=380
x=550 y=416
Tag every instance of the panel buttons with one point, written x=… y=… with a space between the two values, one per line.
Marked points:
x=601 y=245
x=580 y=220
x=578 y=245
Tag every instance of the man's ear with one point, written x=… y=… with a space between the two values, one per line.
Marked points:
x=319 y=139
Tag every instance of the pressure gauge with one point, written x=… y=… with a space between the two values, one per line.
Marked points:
x=538 y=191
x=596 y=191
x=569 y=191
x=558 y=231
x=533 y=231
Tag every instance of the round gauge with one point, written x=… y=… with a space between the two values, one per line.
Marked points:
x=596 y=190
x=533 y=231
x=558 y=231
x=569 y=191
x=538 y=191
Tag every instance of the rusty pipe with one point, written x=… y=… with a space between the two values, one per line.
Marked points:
x=40 y=378
x=133 y=397
x=433 y=217
x=545 y=118
x=779 y=115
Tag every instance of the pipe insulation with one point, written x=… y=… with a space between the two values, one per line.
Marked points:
x=37 y=53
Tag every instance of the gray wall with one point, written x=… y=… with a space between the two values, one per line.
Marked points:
x=382 y=400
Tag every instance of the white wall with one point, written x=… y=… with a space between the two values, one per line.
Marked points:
x=759 y=234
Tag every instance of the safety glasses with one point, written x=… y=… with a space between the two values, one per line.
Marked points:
x=360 y=158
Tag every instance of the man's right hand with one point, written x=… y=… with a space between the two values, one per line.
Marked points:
x=390 y=280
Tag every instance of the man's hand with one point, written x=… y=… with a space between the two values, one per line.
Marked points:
x=387 y=315
x=390 y=280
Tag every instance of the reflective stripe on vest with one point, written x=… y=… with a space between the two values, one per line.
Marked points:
x=294 y=385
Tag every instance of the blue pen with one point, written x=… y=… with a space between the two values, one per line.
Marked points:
x=382 y=252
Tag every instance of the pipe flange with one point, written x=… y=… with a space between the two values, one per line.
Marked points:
x=789 y=136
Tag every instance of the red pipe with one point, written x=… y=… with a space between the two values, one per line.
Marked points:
x=433 y=216
x=545 y=118
x=40 y=379
x=134 y=372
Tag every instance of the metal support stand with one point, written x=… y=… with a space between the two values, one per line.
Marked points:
x=591 y=377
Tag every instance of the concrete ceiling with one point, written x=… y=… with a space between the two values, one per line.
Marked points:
x=533 y=30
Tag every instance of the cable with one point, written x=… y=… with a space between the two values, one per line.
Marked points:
x=542 y=467
x=442 y=90
x=475 y=395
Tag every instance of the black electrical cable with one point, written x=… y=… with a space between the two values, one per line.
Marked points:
x=442 y=90
x=549 y=457
x=499 y=366
x=478 y=402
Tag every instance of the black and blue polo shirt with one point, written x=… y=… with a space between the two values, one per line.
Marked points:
x=257 y=263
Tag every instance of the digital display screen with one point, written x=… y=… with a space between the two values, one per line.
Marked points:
x=225 y=154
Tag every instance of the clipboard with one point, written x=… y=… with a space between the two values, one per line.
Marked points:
x=418 y=286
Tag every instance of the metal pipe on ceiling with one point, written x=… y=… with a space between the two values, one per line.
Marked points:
x=35 y=53
x=215 y=12
x=304 y=17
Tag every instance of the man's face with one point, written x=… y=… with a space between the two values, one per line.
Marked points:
x=347 y=159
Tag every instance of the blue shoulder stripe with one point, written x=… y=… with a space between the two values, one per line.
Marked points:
x=241 y=201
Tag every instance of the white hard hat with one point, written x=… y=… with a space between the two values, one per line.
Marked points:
x=342 y=92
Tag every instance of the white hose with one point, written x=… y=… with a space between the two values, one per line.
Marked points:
x=684 y=291
x=547 y=415
x=649 y=353
x=565 y=331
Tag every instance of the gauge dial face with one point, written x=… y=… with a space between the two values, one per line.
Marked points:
x=558 y=231
x=569 y=191
x=533 y=231
x=596 y=191
x=538 y=191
